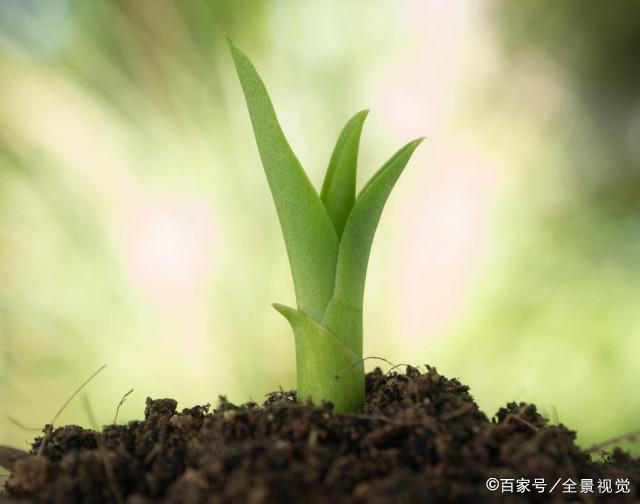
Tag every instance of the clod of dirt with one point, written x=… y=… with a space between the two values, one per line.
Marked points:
x=419 y=438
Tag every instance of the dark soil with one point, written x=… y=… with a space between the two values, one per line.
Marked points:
x=419 y=438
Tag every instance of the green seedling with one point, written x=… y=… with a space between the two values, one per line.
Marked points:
x=328 y=239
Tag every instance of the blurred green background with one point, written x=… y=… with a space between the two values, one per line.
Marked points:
x=137 y=229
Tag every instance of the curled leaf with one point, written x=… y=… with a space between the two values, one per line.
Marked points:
x=327 y=370
x=339 y=187
x=344 y=312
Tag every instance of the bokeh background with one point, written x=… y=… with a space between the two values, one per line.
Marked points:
x=137 y=230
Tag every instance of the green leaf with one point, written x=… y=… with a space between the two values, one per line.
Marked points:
x=344 y=313
x=339 y=187
x=310 y=238
x=327 y=370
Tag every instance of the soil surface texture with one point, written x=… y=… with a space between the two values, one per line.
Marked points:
x=419 y=437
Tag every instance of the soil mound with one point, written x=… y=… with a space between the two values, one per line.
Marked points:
x=419 y=437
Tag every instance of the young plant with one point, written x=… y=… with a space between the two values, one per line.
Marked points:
x=328 y=239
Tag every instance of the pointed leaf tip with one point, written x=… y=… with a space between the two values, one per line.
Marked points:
x=230 y=43
x=397 y=162
x=283 y=310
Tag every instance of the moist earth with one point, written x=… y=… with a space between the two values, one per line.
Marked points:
x=419 y=437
